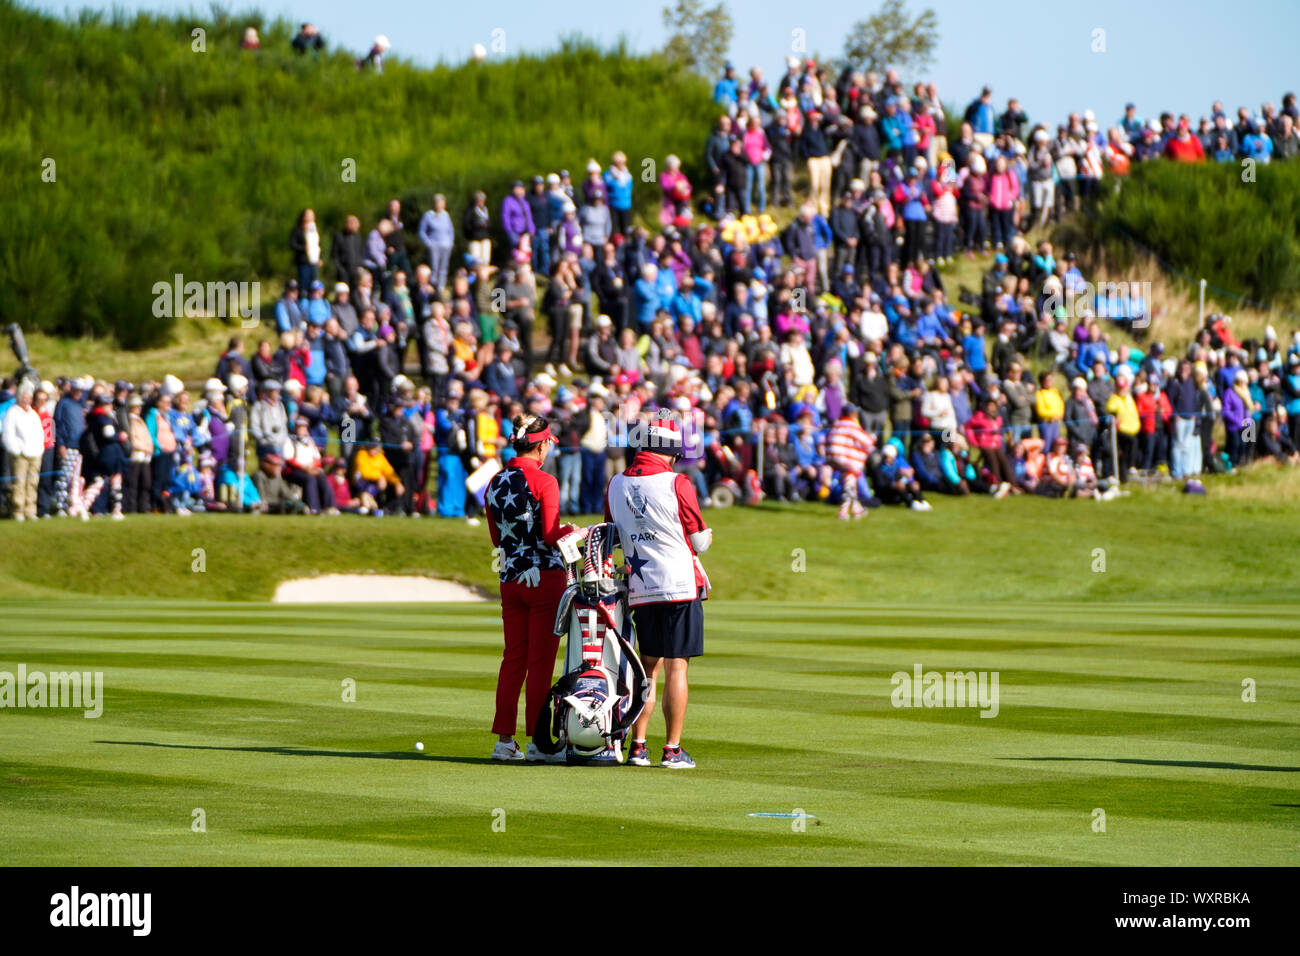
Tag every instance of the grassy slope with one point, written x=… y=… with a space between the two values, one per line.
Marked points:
x=1159 y=545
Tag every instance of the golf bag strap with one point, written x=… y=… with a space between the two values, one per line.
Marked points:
x=640 y=686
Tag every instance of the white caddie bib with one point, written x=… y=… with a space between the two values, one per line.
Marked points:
x=650 y=528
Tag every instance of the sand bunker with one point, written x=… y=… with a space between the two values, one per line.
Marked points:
x=371 y=588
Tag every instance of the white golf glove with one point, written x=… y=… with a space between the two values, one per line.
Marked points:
x=530 y=578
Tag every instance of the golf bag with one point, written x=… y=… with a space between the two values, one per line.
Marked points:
x=604 y=686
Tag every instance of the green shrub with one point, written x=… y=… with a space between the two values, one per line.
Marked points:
x=171 y=161
x=1206 y=222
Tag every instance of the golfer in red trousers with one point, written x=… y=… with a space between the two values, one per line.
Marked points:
x=523 y=511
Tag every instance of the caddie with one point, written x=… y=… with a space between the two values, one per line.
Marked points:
x=662 y=535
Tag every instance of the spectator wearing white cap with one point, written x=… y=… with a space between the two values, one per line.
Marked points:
x=344 y=311
x=374 y=58
x=24 y=440
x=268 y=423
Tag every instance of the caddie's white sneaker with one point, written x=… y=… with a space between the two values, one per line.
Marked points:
x=507 y=751
x=536 y=756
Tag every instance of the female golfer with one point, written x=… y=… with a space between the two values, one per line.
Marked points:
x=523 y=509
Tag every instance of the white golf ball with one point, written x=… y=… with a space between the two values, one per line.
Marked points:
x=480 y=52
x=419 y=745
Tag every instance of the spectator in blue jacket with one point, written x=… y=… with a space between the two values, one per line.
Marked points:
x=725 y=90
x=618 y=186
x=645 y=297
x=316 y=310
x=1257 y=144
x=980 y=115
x=289 y=316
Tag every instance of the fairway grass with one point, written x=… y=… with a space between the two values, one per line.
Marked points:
x=237 y=710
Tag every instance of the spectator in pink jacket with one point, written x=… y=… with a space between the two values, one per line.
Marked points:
x=759 y=151
x=676 y=188
x=1004 y=190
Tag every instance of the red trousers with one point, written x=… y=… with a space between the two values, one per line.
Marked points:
x=529 y=617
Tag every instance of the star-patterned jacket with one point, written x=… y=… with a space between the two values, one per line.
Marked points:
x=523 y=511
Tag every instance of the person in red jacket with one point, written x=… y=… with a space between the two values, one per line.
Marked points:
x=984 y=431
x=1183 y=147
x=1153 y=413
x=523 y=511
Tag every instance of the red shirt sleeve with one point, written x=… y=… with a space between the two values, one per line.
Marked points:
x=688 y=506
x=547 y=492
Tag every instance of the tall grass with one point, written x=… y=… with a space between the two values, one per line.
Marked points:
x=172 y=161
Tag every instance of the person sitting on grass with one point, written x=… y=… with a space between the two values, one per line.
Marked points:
x=1085 y=476
x=375 y=477
x=895 y=482
x=276 y=496
x=303 y=468
x=927 y=463
x=960 y=476
x=341 y=490
x=1275 y=443
x=1029 y=463
x=208 y=484
x=1059 y=479
x=186 y=487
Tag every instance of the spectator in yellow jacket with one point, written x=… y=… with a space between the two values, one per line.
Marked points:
x=374 y=476
x=1123 y=410
x=1049 y=406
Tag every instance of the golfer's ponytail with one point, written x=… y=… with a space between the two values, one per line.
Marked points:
x=525 y=426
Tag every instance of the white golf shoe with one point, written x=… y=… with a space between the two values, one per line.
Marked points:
x=507 y=751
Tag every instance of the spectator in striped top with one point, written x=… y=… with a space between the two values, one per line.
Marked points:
x=847 y=446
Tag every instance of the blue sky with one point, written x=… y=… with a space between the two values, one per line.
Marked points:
x=1164 y=54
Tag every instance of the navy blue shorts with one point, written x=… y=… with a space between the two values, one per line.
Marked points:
x=670 y=630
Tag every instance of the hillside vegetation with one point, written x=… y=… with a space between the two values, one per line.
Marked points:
x=1159 y=544
x=1207 y=221
x=168 y=160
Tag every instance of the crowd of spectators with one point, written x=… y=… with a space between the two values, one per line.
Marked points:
x=824 y=360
